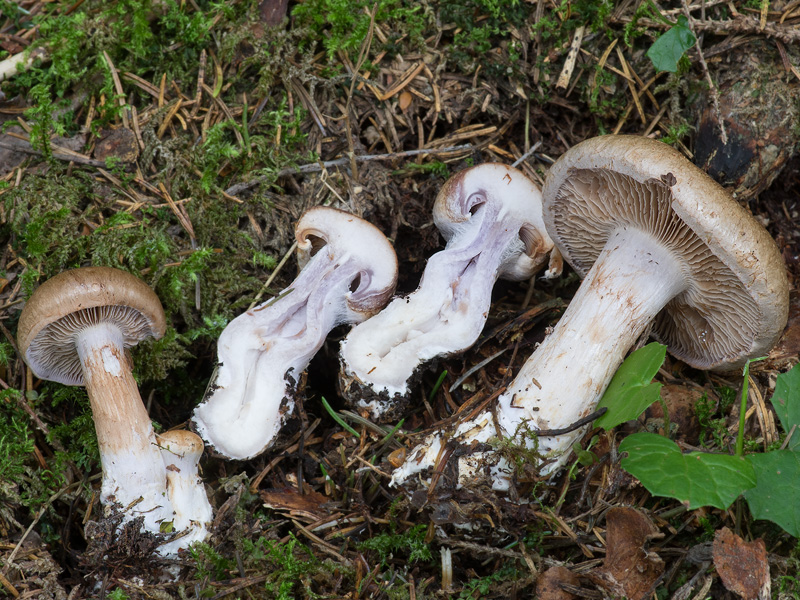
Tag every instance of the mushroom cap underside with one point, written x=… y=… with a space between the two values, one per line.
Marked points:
x=735 y=304
x=75 y=299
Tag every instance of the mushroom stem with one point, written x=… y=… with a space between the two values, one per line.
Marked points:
x=254 y=396
x=632 y=280
x=634 y=277
x=132 y=464
x=491 y=217
x=181 y=451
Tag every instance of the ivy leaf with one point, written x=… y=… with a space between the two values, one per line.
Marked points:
x=630 y=391
x=786 y=401
x=696 y=479
x=667 y=50
x=776 y=496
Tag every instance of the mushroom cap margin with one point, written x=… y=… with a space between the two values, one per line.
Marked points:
x=725 y=228
x=495 y=179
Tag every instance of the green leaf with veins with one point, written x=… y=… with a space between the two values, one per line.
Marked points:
x=667 y=50
x=630 y=391
x=776 y=496
x=696 y=479
x=786 y=401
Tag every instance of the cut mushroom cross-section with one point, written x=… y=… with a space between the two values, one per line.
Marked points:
x=491 y=217
x=74 y=330
x=659 y=243
x=263 y=351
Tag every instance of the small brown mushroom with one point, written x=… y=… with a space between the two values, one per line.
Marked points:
x=75 y=330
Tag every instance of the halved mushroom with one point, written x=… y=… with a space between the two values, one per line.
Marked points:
x=660 y=243
x=491 y=217
x=74 y=330
x=263 y=352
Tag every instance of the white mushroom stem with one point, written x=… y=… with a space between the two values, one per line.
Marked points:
x=133 y=472
x=634 y=277
x=191 y=511
x=491 y=217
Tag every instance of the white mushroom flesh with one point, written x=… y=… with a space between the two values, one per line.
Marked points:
x=191 y=510
x=263 y=352
x=493 y=223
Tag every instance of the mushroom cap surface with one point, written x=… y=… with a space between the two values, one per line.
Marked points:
x=73 y=300
x=735 y=304
x=349 y=235
x=182 y=443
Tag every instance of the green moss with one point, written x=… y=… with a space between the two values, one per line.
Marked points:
x=410 y=543
x=480 y=587
x=343 y=24
x=288 y=567
x=16 y=439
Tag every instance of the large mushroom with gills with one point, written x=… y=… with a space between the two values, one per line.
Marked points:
x=491 y=217
x=348 y=273
x=659 y=244
x=75 y=330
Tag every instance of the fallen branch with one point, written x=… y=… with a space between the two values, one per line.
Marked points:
x=76 y=158
x=315 y=167
x=739 y=25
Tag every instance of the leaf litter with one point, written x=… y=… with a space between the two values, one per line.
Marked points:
x=191 y=174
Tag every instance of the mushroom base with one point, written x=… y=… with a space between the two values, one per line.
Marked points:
x=135 y=476
x=381 y=407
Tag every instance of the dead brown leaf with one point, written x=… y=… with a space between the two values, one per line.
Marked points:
x=680 y=401
x=117 y=143
x=741 y=565
x=630 y=569
x=548 y=586
x=307 y=505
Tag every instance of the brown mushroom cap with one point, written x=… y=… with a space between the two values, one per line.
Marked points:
x=181 y=443
x=735 y=305
x=73 y=300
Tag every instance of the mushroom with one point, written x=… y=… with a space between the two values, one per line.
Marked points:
x=659 y=243
x=74 y=330
x=491 y=217
x=181 y=451
x=263 y=351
